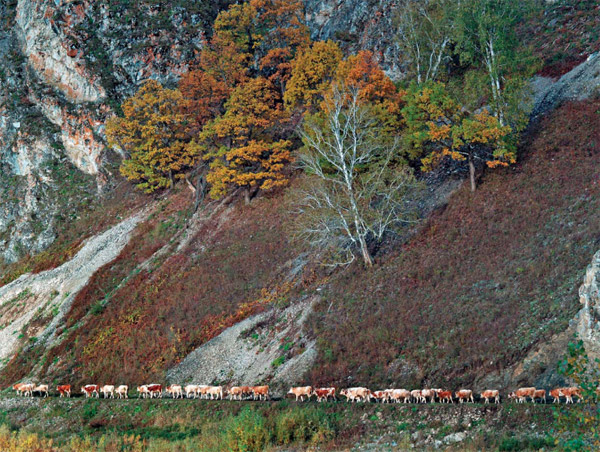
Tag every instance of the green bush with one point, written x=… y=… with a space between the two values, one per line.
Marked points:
x=247 y=432
x=304 y=426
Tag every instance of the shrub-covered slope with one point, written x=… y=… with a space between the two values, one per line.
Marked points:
x=488 y=277
x=484 y=280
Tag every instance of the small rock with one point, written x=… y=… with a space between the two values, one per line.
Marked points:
x=455 y=437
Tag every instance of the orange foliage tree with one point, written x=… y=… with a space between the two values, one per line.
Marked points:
x=286 y=34
x=203 y=97
x=243 y=144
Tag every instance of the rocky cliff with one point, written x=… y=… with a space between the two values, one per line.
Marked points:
x=67 y=64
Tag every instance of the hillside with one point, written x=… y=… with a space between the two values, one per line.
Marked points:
x=194 y=271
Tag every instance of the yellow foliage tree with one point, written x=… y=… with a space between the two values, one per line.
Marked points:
x=152 y=132
x=313 y=69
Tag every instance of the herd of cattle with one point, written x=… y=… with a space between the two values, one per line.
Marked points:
x=301 y=393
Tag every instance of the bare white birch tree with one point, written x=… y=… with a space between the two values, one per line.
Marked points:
x=357 y=190
x=425 y=31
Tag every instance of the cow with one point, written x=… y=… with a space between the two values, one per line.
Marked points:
x=324 y=394
x=555 y=394
x=381 y=396
x=191 y=391
x=445 y=396
x=27 y=389
x=90 y=390
x=64 y=390
x=521 y=394
x=203 y=391
x=417 y=395
x=356 y=394
x=122 y=391
x=398 y=395
x=236 y=393
x=108 y=391
x=539 y=394
x=143 y=391
x=465 y=394
x=155 y=390
x=18 y=387
x=260 y=392
x=41 y=390
x=570 y=392
x=175 y=390
x=428 y=394
x=301 y=392
x=215 y=392
x=491 y=394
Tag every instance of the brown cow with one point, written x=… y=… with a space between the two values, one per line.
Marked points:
x=90 y=390
x=539 y=394
x=570 y=392
x=301 y=392
x=324 y=394
x=382 y=396
x=260 y=392
x=155 y=390
x=445 y=396
x=18 y=387
x=555 y=394
x=491 y=394
x=64 y=390
x=464 y=395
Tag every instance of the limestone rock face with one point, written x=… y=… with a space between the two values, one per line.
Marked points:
x=588 y=325
x=66 y=65
x=358 y=25
x=49 y=54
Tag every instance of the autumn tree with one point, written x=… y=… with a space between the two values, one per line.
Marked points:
x=439 y=129
x=362 y=72
x=312 y=72
x=286 y=33
x=203 y=97
x=152 y=132
x=244 y=146
x=355 y=193
x=229 y=55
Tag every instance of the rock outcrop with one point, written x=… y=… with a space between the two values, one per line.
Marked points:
x=588 y=321
x=580 y=83
x=358 y=25
x=270 y=347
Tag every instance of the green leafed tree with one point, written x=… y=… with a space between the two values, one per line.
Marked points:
x=486 y=37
